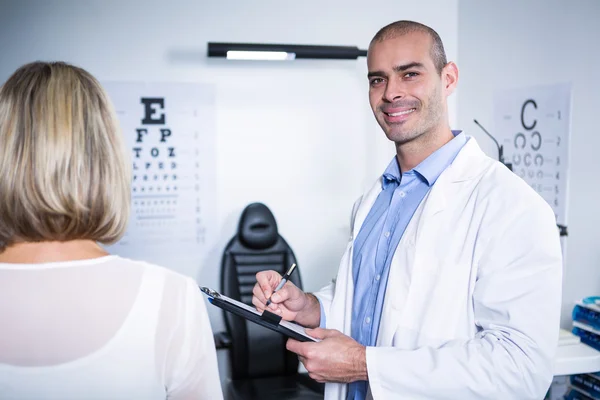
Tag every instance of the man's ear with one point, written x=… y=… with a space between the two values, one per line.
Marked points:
x=450 y=77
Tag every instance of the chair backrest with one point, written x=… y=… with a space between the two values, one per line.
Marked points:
x=256 y=351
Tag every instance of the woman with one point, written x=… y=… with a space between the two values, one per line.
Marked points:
x=77 y=322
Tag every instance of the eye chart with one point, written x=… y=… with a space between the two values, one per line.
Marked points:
x=532 y=125
x=169 y=133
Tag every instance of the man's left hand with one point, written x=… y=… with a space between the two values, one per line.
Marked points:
x=336 y=358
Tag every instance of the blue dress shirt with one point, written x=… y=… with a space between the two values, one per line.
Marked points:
x=379 y=236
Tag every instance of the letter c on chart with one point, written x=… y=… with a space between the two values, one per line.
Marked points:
x=528 y=127
x=540 y=158
x=516 y=159
x=519 y=136
x=537 y=146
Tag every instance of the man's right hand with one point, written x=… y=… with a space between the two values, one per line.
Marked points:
x=290 y=302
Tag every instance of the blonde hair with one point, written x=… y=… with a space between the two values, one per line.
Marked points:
x=64 y=170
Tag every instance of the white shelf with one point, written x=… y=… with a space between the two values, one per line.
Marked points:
x=576 y=359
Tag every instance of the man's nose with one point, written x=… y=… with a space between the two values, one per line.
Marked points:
x=394 y=90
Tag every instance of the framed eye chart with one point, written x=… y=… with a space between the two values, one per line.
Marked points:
x=169 y=131
x=533 y=127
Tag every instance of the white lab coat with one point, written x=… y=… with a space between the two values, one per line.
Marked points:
x=472 y=305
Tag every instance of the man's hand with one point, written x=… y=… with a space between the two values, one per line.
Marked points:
x=290 y=302
x=336 y=358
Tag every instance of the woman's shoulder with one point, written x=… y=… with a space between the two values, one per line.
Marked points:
x=151 y=268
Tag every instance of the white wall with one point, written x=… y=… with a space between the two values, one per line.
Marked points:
x=517 y=43
x=299 y=136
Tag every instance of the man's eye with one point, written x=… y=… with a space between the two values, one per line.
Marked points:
x=376 y=81
x=411 y=74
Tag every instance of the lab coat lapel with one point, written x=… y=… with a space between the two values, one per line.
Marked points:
x=341 y=305
x=437 y=214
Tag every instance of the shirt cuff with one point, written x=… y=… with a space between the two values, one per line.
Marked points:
x=323 y=322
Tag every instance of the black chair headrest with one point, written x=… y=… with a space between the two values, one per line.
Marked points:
x=258 y=229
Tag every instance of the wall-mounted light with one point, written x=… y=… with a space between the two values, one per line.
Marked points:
x=280 y=52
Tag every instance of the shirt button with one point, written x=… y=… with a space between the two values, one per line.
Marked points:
x=378 y=277
x=368 y=320
x=387 y=234
x=402 y=194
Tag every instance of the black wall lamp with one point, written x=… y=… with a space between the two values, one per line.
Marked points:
x=281 y=52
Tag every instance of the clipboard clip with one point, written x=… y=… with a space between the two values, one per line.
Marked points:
x=272 y=319
x=210 y=292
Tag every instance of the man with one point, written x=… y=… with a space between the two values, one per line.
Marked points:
x=450 y=286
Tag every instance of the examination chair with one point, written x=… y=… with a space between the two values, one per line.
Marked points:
x=261 y=366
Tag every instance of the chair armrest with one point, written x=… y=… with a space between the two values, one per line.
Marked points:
x=222 y=340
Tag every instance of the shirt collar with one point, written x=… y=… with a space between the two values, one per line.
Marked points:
x=391 y=174
x=430 y=168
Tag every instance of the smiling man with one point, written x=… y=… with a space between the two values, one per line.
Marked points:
x=450 y=286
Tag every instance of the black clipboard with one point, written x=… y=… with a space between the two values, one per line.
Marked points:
x=267 y=319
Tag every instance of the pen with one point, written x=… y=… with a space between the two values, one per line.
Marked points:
x=284 y=279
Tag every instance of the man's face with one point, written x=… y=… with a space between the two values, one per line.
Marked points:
x=405 y=90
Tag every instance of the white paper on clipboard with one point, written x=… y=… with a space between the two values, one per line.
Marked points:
x=286 y=324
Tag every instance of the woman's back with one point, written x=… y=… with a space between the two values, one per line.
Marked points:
x=103 y=328
x=76 y=323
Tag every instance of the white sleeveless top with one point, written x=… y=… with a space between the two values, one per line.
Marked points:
x=107 y=328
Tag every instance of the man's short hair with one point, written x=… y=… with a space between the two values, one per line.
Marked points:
x=400 y=28
x=64 y=170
